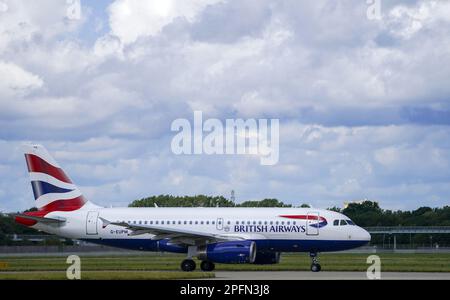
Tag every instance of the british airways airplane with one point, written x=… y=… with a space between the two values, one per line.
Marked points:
x=213 y=235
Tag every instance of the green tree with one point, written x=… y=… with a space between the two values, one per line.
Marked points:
x=264 y=203
x=364 y=214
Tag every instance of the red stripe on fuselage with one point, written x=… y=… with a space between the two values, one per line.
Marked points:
x=37 y=164
x=58 y=205
x=303 y=217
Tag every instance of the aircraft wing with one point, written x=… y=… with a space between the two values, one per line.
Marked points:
x=176 y=236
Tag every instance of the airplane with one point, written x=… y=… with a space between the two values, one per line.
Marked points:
x=213 y=235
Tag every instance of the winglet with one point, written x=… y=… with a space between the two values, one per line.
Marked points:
x=105 y=222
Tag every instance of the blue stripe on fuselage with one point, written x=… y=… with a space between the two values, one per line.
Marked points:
x=41 y=188
x=272 y=245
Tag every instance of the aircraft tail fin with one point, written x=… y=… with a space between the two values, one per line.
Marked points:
x=53 y=190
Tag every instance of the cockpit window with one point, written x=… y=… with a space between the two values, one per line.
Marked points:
x=336 y=222
x=350 y=222
x=343 y=222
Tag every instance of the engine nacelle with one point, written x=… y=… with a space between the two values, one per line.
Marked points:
x=167 y=246
x=267 y=258
x=236 y=252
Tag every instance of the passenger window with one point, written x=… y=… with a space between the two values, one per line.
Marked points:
x=336 y=223
x=207 y=222
x=213 y=222
x=343 y=222
x=157 y=222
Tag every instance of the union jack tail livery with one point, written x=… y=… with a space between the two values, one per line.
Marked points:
x=53 y=190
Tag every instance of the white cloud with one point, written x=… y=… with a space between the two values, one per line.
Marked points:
x=104 y=106
x=16 y=81
x=25 y=21
x=405 y=21
x=132 y=19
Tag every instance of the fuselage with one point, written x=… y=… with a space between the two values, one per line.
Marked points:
x=272 y=229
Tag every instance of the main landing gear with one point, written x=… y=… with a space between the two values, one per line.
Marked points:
x=189 y=265
x=207 y=266
x=315 y=266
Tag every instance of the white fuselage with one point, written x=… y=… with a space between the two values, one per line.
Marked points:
x=277 y=229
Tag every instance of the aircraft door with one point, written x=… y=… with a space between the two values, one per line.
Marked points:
x=312 y=223
x=91 y=223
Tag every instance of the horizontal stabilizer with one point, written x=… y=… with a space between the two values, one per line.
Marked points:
x=41 y=219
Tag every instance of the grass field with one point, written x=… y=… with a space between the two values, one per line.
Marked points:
x=166 y=266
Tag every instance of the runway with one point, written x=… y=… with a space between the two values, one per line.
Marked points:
x=295 y=275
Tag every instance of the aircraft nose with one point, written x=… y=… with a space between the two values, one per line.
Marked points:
x=365 y=235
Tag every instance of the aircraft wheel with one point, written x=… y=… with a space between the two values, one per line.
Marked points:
x=207 y=266
x=188 y=265
x=315 y=267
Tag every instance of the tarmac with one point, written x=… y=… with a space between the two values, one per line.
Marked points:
x=297 y=275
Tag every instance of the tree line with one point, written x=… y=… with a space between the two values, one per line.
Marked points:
x=202 y=201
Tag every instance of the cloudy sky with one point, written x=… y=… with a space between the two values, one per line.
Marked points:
x=363 y=103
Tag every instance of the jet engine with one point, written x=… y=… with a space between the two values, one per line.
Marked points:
x=267 y=258
x=228 y=252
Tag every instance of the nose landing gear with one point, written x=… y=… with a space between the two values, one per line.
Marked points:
x=315 y=266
